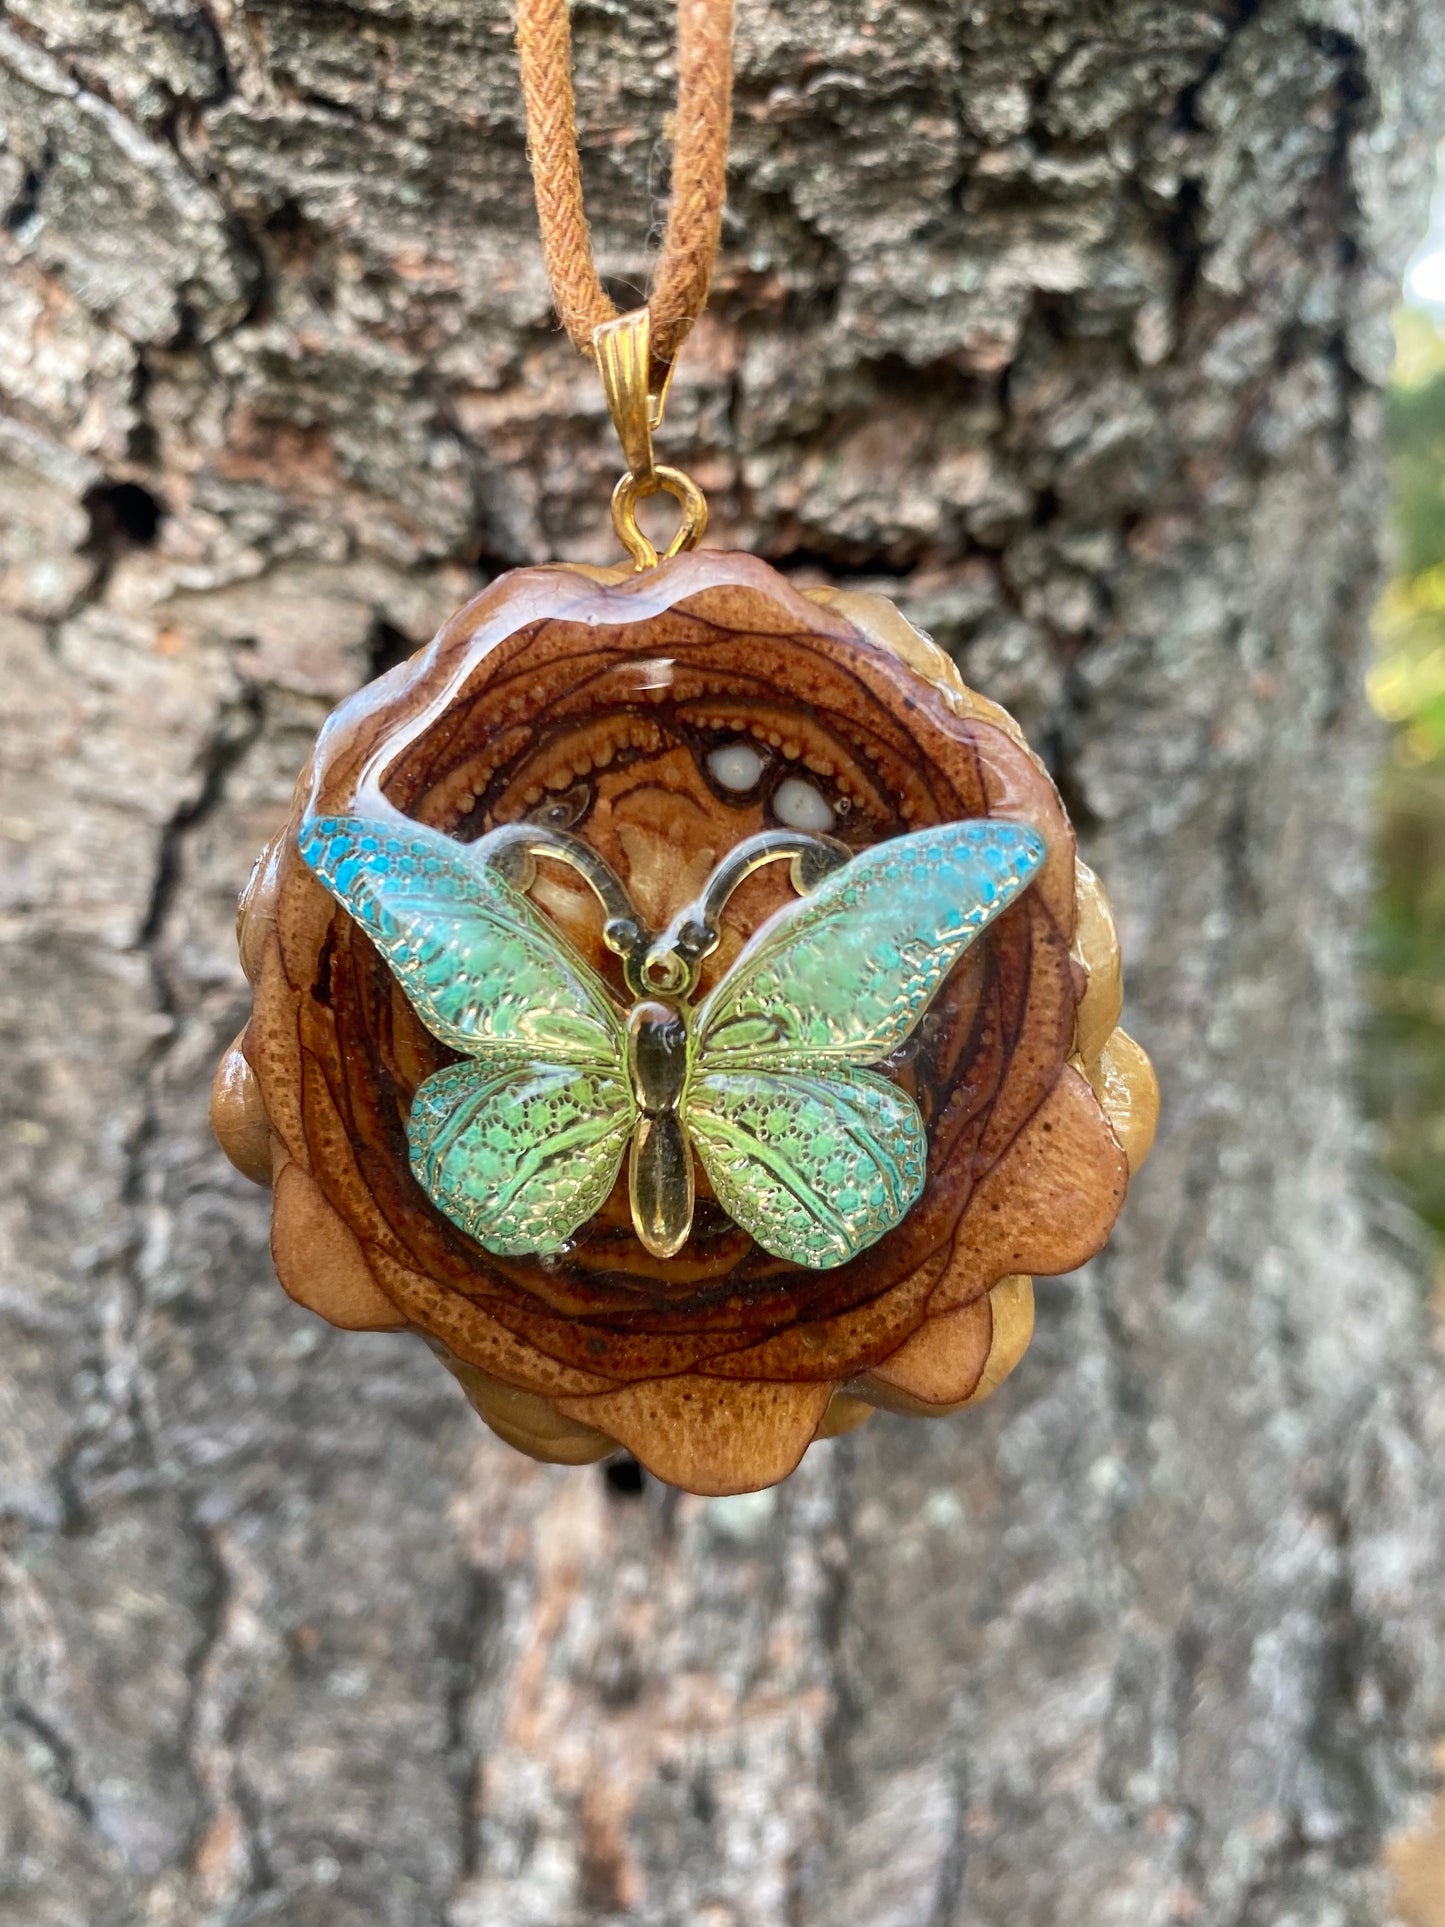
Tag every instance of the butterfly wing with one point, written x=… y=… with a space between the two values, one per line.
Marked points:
x=522 y=1145
x=484 y=970
x=815 y=1167
x=843 y=975
x=520 y=1154
x=815 y=1158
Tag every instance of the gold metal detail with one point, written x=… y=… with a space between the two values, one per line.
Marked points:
x=624 y=354
x=624 y=357
x=629 y=492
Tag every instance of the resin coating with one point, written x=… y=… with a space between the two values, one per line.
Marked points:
x=676 y=996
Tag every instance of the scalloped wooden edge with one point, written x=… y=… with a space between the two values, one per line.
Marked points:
x=525 y=1420
x=1096 y=947
x=537 y=1427
x=256 y=906
x=956 y=1359
x=845 y=1412
x=310 y=1242
x=715 y=1437
x=884 y=622
x=533 y=1425
x=1123 y=1080
x=238 y=1116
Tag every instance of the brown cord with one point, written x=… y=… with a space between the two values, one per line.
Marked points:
x=699 y=172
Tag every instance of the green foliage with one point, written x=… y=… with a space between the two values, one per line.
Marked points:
x=1407 y=686
x=1407 y=1058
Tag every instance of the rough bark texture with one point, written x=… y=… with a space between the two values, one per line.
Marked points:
x=1060 y=321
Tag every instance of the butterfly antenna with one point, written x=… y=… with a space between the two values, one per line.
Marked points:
x=513 y=850
x=693 y=932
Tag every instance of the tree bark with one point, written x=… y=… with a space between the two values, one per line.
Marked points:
x=1061 y=324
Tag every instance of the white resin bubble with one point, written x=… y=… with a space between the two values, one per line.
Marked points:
x=802 y=806
x=736 y=766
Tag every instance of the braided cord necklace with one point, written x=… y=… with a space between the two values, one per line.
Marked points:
x=635 y=352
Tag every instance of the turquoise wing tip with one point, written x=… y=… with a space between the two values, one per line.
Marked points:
x=1020 y=840
x=1012 y=854
x=361 y=864
x=993 y=839
x=323 y=839
x=1030 y=848
x=345 y=852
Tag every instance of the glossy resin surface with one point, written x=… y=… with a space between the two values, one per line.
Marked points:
x=893 y=1099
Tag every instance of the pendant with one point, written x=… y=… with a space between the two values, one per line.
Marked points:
x=676 y=997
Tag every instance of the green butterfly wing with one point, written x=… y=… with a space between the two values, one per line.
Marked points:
x=519 y=1155
x=814 y=1158
x=522 y=1145
x=845 y=973
x=483 y=969
x=815 y=1168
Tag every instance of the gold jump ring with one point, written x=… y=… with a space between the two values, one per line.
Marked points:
x=633 y=488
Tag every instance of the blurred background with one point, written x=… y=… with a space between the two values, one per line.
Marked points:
x=1404 y=1059
x=1405 y=1068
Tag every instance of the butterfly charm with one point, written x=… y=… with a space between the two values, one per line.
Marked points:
x=767 y=1080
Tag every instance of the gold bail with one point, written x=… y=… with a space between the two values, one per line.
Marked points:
x=624 y=356
x=623 y=350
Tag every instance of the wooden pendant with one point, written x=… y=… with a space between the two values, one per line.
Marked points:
x=646 y=726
